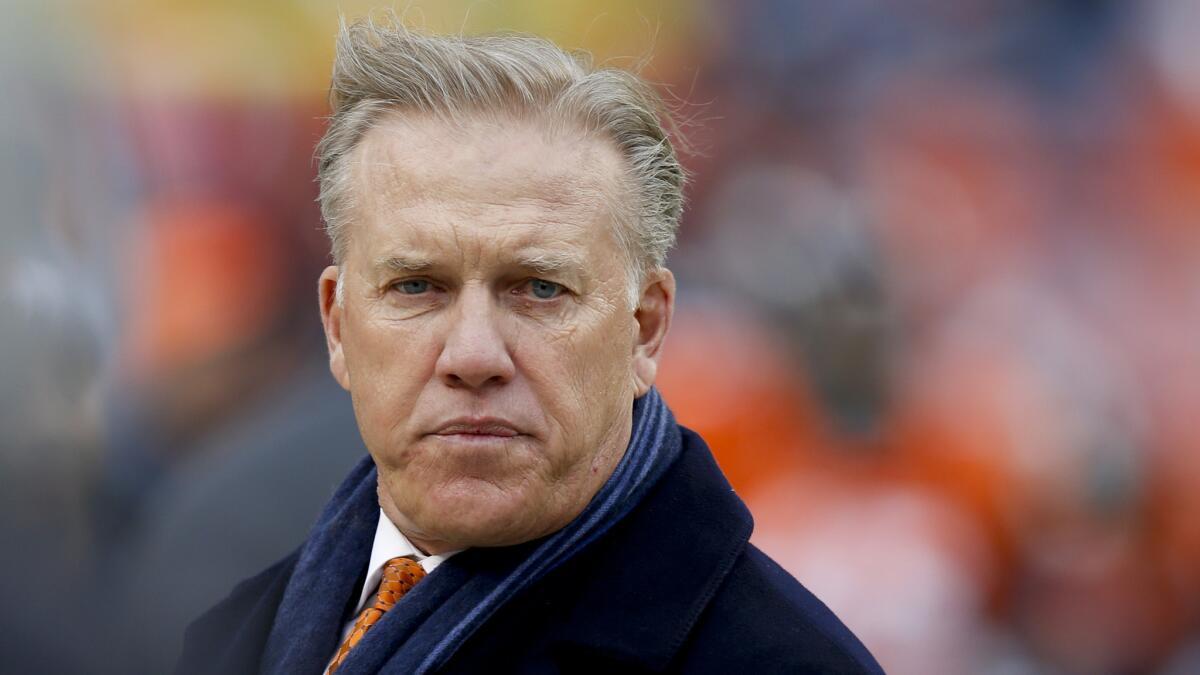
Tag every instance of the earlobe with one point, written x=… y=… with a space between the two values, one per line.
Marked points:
x=656 y=306
x=644 y=372
x=331 y=320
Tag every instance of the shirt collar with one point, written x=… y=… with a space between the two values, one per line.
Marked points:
x=390 y=543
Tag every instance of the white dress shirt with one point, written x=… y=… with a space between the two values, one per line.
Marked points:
x=389 y=543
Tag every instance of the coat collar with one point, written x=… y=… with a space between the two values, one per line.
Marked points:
x=662 y=568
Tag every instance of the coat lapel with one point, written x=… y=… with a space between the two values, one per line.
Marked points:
x=667 y=564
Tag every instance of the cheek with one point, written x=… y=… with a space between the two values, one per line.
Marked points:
x=607 y=358
x=580 y=377
x=388 y=366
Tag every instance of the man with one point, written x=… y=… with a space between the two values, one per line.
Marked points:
x=500 y=215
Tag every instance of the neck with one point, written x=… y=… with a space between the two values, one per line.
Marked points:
x=425 y=545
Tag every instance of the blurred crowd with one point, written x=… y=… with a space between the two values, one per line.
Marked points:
x=939 y=314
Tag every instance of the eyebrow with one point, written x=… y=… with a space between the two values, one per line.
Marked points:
x=403 y=265
x=548 y=262
x=542 y=262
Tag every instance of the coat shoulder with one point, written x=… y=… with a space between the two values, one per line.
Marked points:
x=230 y=636
x=763 y=620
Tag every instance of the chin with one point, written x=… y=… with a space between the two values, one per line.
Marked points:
x=478 y=513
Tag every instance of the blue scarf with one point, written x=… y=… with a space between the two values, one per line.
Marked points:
x=424 y=630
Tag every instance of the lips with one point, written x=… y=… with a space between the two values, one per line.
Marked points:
x=483 y=426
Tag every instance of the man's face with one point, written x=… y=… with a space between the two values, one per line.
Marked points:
x=486 y=335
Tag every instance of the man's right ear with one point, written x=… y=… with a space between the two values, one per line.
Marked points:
x=331 y=319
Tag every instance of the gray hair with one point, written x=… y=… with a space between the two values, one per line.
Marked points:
x=381 y=69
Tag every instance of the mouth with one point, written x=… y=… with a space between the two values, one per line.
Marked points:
x=477 y=428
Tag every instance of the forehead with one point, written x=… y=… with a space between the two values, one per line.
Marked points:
x=486 y=163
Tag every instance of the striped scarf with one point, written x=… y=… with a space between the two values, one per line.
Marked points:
x=423 y=632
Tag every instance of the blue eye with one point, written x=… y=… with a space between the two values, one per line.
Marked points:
x=413 y=286
x=543 y=289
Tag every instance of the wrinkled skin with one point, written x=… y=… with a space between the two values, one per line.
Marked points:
x=486 y=334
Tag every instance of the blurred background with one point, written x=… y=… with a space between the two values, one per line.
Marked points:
x=938 y=319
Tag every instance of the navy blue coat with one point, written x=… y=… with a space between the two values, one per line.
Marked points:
x=674 y=587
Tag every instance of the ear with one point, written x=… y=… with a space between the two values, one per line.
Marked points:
x=655 y=308
x=331 y=319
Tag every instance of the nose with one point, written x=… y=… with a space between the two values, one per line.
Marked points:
x=475 y=354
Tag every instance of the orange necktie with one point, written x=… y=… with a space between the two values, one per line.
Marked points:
x=399 y=576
